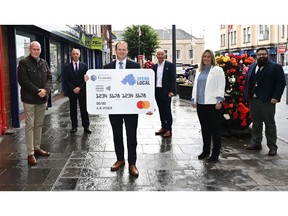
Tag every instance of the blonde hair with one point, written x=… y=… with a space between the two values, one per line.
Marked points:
x=213 y=60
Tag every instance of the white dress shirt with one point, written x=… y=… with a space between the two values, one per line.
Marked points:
x=160 y=69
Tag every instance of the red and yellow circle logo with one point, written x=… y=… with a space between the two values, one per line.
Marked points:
x=143 y=104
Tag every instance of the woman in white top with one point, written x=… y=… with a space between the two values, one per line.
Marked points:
x=207 y=95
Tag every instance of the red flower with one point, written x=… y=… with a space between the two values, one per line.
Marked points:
x=148 y=64
x=235 y=68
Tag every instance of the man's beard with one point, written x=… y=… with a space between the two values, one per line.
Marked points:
x=262 y=61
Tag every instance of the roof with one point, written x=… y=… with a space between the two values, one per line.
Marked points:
x=164 y=34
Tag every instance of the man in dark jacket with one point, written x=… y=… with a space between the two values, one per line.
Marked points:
x=264 y=86
x=165 y=89
x=76 y=86
x=34 y=77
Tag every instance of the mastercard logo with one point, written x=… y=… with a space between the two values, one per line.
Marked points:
x=143 y=104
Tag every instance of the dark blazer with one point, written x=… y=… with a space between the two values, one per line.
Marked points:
x=168 y=79
x=72 y=81
x=129 y=64
x=270 y=82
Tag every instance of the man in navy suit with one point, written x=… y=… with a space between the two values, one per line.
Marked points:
x=76 y=87
x=165 y=83
x=130 y=120
x=264 y=86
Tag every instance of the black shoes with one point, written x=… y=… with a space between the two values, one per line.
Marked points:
x=87 y=131
x=272 y=152
x=254 y=147
x=73 y=130
x=203 y=156
x=212 y=159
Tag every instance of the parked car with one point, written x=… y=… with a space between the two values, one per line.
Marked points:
x=180 y=71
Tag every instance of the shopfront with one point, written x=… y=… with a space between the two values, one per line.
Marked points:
x=56 y=43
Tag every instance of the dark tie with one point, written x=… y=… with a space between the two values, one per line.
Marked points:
x=76 y=69
x=121 y=65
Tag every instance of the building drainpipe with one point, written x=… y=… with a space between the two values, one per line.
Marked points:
x=3 y=127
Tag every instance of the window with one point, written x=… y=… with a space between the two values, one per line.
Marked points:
x=23 y=41
x=178 y=54
x=55 y=66
x=166 y=53
x=245 y=40
x=191 y=54
x=266 y=32
x=248 y=35
x=223 y=39
x=233 y=35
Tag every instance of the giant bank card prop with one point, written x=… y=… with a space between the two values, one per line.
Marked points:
x=124 y=91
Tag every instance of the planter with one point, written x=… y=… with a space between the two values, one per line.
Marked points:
x=234 y=129
x=185 y=91
x=177 y=86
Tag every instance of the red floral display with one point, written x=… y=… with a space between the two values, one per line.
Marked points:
x=148 y=64
x=236 y=112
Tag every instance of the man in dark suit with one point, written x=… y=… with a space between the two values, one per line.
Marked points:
x=76 y=87
x=130 y=120
x=165 y=83
x=264 y=86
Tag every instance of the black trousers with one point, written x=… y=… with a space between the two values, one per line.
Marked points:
x=83 y=110
x=131 y=124
x=164 y=106
x=210 y=121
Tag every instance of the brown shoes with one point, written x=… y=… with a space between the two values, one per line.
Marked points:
x=160 y=132
x=132 y=168
x=168 y=134
x=117 y=165
x=40 y=152
x=32 y=160
x=133 y=171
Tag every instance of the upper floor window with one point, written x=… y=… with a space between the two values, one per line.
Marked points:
x=178 y=54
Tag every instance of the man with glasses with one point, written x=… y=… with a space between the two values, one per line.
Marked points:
x=264 y=86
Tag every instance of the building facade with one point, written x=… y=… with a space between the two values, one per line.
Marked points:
x=239 y=39
x=188 y=48
x=57 y=42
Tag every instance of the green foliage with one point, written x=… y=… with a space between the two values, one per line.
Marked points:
x=149 y=40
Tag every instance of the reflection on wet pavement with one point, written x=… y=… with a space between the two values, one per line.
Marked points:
x=81 y=162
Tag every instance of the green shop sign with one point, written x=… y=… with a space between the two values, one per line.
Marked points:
x=91 y=42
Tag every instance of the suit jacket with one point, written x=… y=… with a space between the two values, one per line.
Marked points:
x=168 y=79
x=72 y=81
x=270 y=82
x=129 y=65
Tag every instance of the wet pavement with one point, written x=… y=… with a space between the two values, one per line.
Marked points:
x=81 y=162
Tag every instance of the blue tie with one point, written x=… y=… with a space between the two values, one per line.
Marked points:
x=121 y=65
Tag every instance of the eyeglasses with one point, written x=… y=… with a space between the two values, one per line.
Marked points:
x=261 y=54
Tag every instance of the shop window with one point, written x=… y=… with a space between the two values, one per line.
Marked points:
x=55 y=67
x=23 y=41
